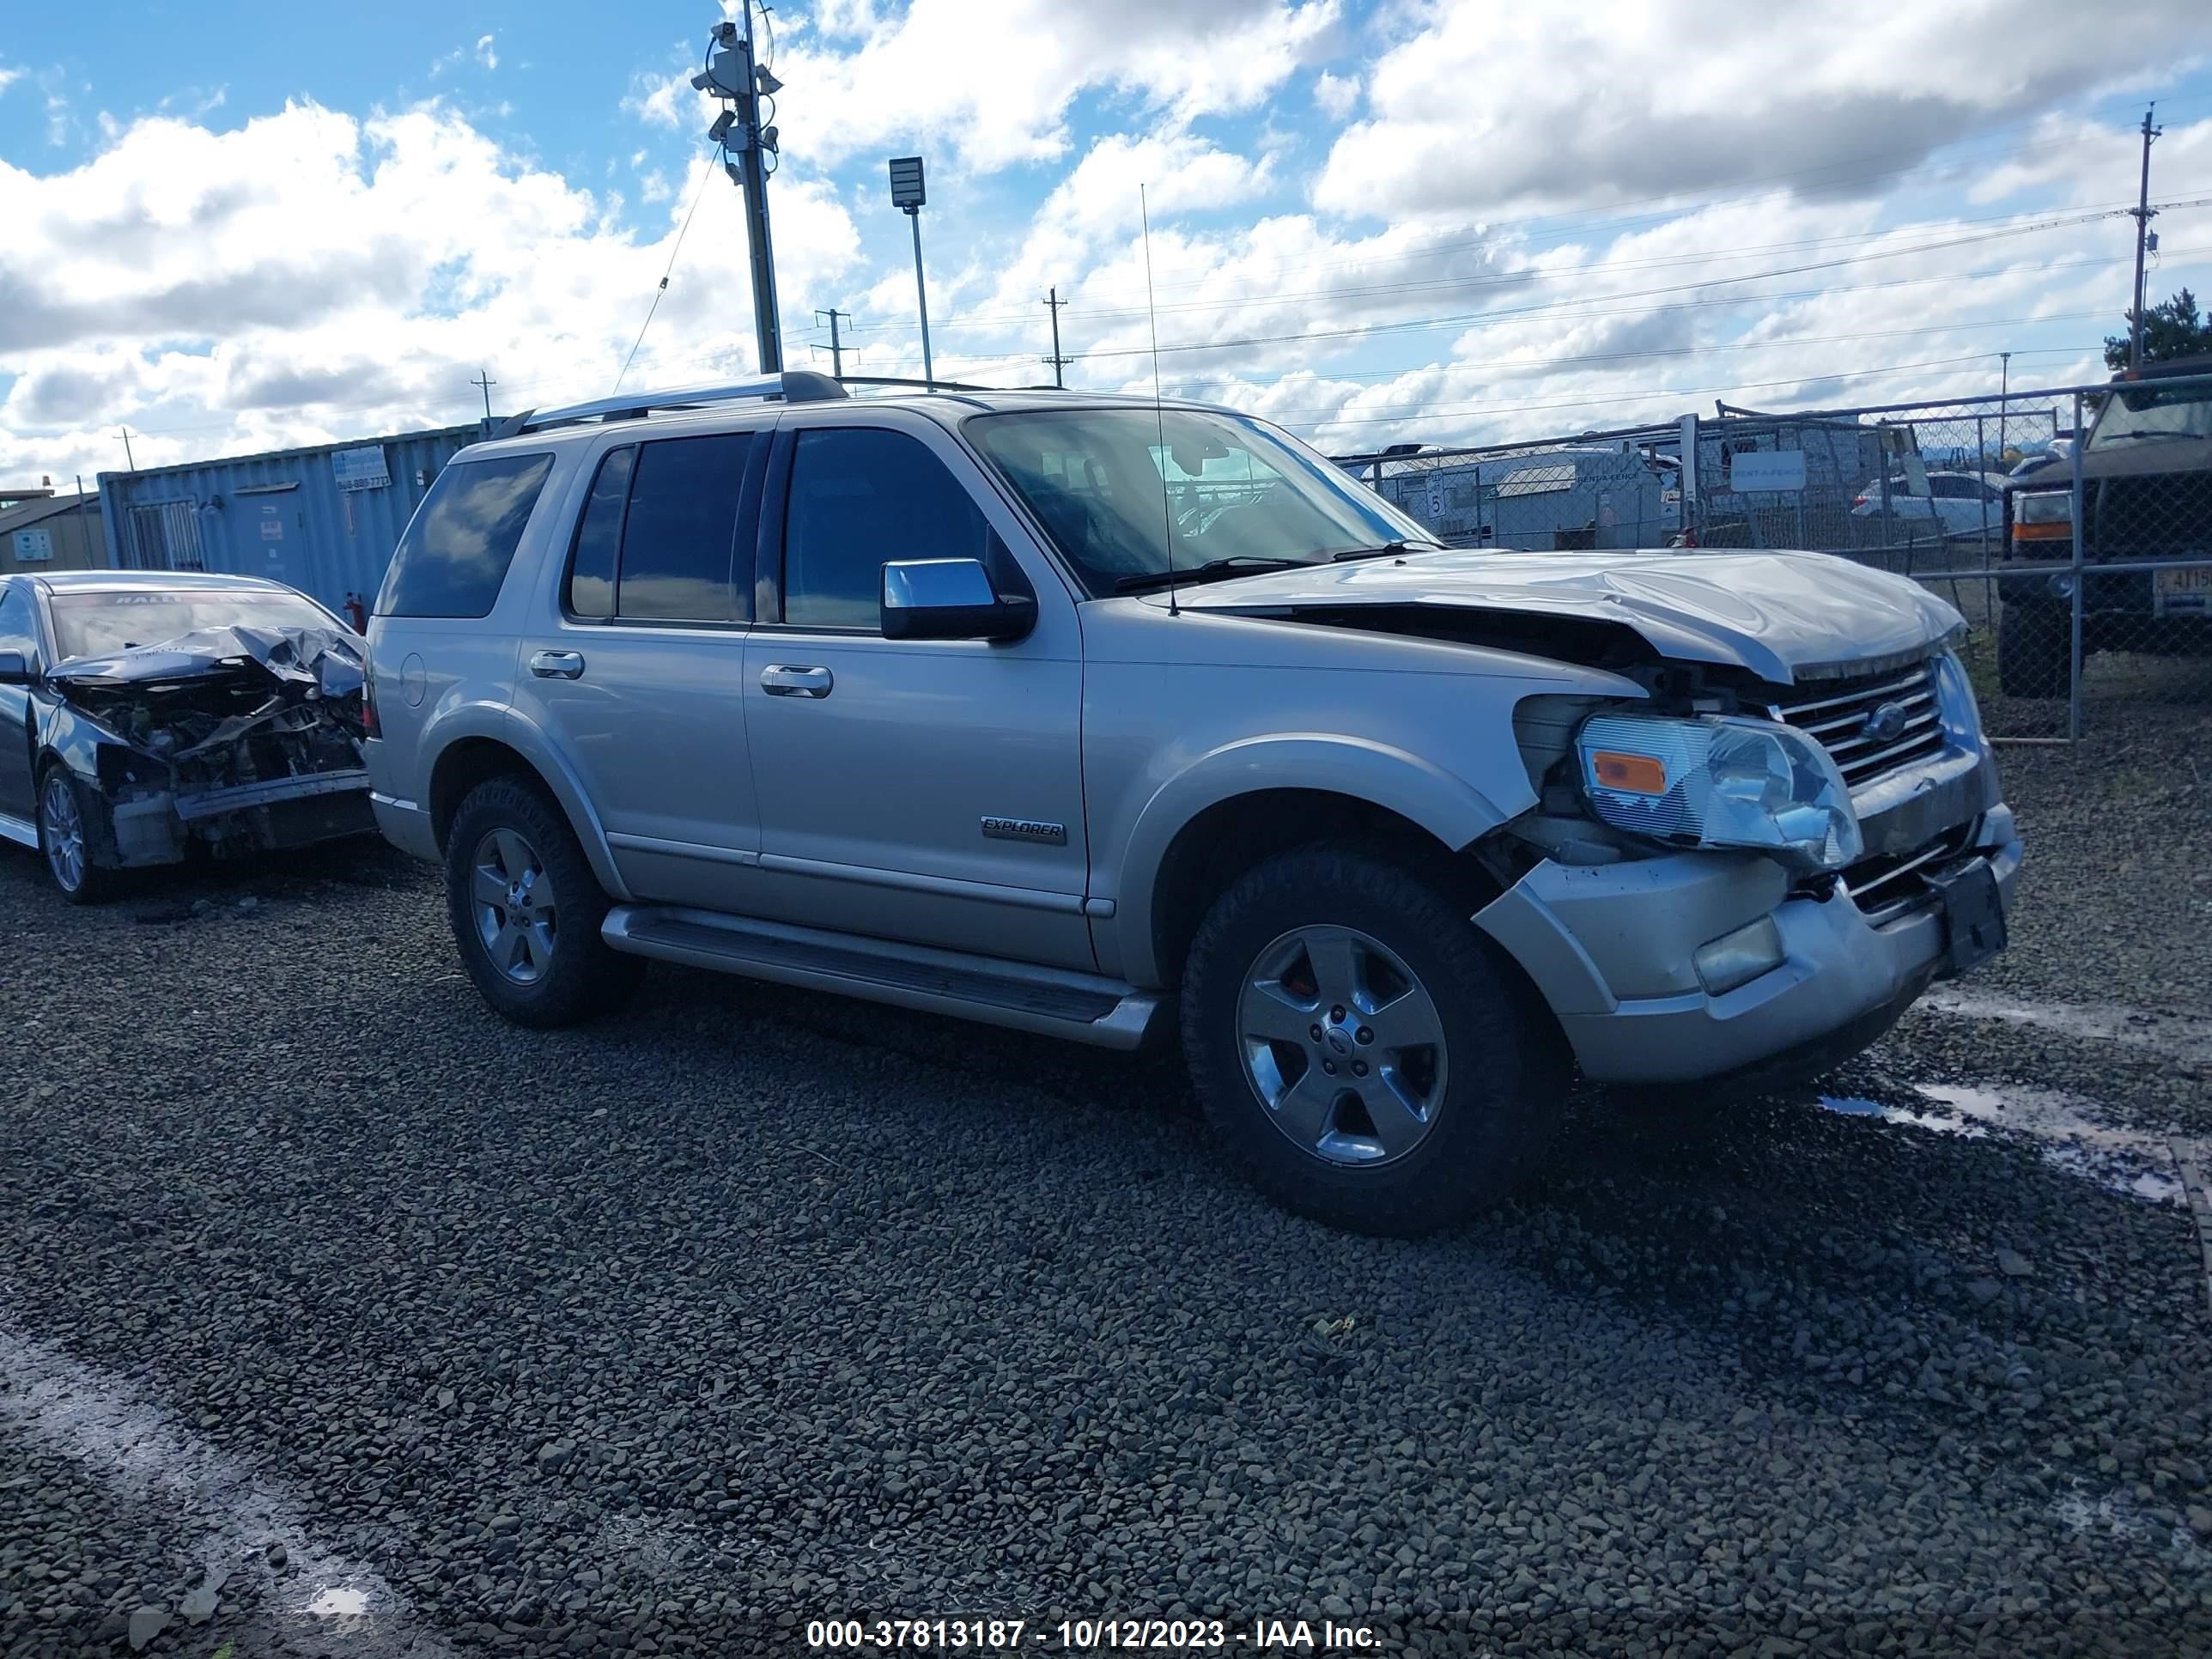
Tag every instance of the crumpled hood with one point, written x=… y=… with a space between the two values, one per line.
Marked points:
x=323 y=658
x=1786 y=617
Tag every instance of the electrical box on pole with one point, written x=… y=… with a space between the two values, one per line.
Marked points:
x=735 y=75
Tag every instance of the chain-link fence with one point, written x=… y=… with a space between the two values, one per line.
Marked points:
x=2072 y=527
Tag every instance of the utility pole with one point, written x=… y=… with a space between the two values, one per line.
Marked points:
x=837 y=350
x=2004 y=398
x=485 y=384
x=1058 y=362
x=83 y=536
x=736 y=76
x=127 y=455
x=2143 y=216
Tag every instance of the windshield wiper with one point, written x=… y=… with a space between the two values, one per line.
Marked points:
x=2161 y=437
x=1236 y=564
x=1381 y=550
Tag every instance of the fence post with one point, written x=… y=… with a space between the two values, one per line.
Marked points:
x=2080 y=598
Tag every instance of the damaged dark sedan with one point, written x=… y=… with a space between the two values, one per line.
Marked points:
x=157 y=716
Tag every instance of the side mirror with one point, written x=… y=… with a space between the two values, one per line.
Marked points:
x=14 y=671
x=951 y=599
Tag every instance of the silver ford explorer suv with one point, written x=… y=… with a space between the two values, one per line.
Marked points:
x=1107 y=718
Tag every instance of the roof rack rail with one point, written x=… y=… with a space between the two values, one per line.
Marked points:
x=794 y=385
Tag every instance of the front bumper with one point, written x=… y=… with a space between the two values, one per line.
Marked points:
x=1610 y=947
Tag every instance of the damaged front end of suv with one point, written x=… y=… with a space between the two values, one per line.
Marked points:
x=236 y=740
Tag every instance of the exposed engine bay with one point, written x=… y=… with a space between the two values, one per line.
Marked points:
x=239 y=738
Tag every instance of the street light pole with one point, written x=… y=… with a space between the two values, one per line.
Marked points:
x=908 y=195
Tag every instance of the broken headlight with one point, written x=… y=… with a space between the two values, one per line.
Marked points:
x=1716 y=781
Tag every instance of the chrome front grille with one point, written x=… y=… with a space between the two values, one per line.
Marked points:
x=1836 y=714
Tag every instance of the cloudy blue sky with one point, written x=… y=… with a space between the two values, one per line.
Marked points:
x=243 y=226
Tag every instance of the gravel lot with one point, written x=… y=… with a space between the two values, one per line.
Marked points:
x=426 y=1335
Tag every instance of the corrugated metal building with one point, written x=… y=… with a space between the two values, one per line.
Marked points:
x=324 y=520
x=53 y=532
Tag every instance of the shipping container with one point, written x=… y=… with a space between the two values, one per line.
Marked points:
x=323 y=520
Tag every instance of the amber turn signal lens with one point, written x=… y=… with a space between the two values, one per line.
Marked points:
x=1639 y=775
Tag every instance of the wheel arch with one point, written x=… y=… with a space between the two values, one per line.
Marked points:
x=517 y=749
x=1250 y=801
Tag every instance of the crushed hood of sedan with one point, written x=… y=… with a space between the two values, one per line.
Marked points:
x=202 y=729
x=1785 y=616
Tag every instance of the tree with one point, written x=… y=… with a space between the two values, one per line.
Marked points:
x=2171 y=330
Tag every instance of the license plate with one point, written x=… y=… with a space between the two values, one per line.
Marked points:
x=1973 y=914
x=2182 y=593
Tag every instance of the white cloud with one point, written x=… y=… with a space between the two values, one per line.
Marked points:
x=485 y=54
x=1336 y=94
x=9 y=77
x=309 y=277
x=1482 y=108
x=992 y=79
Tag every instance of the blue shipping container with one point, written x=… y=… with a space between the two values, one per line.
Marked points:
x=324 y=520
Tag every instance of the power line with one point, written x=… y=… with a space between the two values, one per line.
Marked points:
x=1360 y=329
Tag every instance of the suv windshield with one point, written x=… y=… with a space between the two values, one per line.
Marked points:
x=94 y=624
x=1107 y=482
x=2137 y=414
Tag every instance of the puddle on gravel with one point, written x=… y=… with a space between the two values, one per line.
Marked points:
x=2134 y=1162
x=340 y=1602
x=2184 y=1037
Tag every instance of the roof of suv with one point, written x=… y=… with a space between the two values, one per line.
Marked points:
x=947 y=408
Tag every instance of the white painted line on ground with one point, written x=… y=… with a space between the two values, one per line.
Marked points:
x=2189 y=1156
x=2185 y=1037
x=60 y=1404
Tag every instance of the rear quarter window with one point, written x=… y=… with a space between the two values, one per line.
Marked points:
x=461 y=540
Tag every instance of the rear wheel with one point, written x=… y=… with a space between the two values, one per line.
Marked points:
x=2035 y=649
x=66 y=840
x=526 y=910
x=1361 y=1048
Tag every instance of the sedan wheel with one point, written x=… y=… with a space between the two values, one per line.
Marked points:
x=516 y=908
x=61 y=832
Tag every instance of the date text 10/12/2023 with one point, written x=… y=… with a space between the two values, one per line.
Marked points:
x=1088 y=1635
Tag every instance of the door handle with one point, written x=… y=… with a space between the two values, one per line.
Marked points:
x=558 y=665
x=783 y=680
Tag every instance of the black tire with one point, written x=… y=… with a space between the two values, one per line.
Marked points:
x=2035 y=649
x=95 y=884
x=579 y=976
x=1501 y=1090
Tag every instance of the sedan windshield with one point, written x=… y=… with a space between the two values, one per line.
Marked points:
x=1118 y=488
x=96 y=624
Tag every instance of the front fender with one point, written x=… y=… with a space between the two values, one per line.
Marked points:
x=503 y=723
x=1449 y=807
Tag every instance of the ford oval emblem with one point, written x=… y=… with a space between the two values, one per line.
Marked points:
x=1886 y=723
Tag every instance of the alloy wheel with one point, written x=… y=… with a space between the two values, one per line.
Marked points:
x=1343 y=1045
x=62 y=828
x=516 y=909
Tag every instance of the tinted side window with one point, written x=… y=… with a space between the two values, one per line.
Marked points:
x=457 y=546
x=1949 y=489
x=859 y=496
x=598 y=537
x=19 y=624
x=678 y=542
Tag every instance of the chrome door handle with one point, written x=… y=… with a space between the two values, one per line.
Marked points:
x=558 y=665
x=783 y=680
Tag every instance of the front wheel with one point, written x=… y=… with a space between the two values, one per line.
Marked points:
x=2035 y=649
x=66 y=840
x=1362 y=1049
x=526 y=910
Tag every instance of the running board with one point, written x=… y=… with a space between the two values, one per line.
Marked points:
x=21 y=831
x=1054 y=1001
